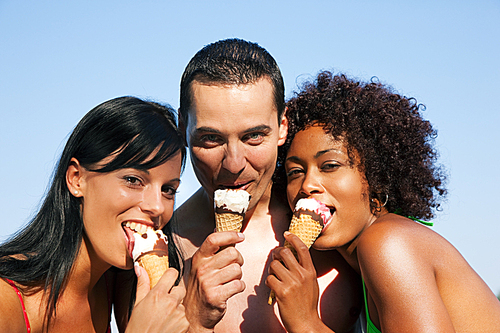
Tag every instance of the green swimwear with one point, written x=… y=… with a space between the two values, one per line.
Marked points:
x=370 y=326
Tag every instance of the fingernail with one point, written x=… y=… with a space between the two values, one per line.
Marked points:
x=287 y=233
x=136 y=269
x=240 y=235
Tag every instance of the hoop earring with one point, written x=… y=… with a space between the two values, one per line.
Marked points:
x=383 y=205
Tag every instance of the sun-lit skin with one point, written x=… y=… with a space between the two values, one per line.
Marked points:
x=109 y=200
x=233 y=136
x=414 y=278
x=233 y=133
x=318 y=166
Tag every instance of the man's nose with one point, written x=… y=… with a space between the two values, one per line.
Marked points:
x=234 y=158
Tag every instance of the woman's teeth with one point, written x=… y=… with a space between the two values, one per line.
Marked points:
x=138 y=227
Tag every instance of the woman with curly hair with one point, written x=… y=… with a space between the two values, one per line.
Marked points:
x=367 y=154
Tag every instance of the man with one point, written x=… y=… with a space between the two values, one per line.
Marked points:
x=232 y=113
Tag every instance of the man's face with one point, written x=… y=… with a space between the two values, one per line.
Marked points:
x=233 y=135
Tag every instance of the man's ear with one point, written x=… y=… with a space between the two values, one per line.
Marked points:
x=74 y=179
x=182 y=128
x=283 y=130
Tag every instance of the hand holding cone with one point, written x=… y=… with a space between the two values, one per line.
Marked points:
x=308 y=221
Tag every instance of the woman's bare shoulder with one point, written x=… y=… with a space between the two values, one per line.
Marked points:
x=11 y=313
x=395 y=241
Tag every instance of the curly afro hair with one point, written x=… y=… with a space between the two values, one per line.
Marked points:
x=386 y=130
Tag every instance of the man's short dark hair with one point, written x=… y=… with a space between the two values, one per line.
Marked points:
x=231 y=61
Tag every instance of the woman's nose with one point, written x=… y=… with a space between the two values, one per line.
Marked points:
x=311 y=184
x=152 y=202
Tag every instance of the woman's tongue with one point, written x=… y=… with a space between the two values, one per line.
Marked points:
x=129 y=235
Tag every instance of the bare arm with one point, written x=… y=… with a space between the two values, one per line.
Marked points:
x=400 y=278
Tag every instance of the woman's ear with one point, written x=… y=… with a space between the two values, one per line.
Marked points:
x=74 y=179
x=283 y=129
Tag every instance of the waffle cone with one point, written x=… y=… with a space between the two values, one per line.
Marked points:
x=306 y=228
x=228 y=221
x=155 y=263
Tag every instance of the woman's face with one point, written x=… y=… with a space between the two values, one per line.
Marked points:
x=110 y=200
x=317 y=166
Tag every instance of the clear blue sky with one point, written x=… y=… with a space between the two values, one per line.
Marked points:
x=59 y=59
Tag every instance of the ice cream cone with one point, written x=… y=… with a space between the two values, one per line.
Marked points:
x=230 y=207
x=306 y=227
x=227 y=221
x=155 y=263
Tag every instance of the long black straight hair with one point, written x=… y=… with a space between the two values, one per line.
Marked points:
x=131 y=130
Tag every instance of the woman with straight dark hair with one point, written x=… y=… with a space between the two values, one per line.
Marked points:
x=121 y=164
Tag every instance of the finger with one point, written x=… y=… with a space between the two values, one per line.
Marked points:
x=287 y=258
x=178 y=292
x=143 y=284
x=231 y=288
x=228 y=256
x=279 y=269
x=168 y=279
x=217 y=261
x=303 y=255
x=215 y=241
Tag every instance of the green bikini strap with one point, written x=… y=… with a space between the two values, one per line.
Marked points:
x=429 y=224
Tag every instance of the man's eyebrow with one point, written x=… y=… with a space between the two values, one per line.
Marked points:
x=259 y=128
x=205 y=129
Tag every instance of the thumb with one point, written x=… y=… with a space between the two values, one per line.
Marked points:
x=143 y=284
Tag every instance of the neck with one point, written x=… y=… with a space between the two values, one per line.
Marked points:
x=262 y=207
x=349 y=251
x=86 y=271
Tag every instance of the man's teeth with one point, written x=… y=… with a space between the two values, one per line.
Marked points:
x=138 y=227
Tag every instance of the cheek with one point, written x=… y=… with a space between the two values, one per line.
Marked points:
x=167 y=215
x=292 y=191
x=262 y=158
x=206 y=158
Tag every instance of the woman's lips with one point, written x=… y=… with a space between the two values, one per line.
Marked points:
x=130 y=228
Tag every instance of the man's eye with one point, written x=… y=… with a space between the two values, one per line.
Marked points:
x=210 y=137
x=254 y=138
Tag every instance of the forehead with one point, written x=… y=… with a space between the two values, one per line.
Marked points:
x=222 y=102
x=314 y=140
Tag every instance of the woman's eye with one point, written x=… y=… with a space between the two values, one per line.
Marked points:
x=131 y=180
x=169 y=192
x=330 y=166
x=293 y=173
